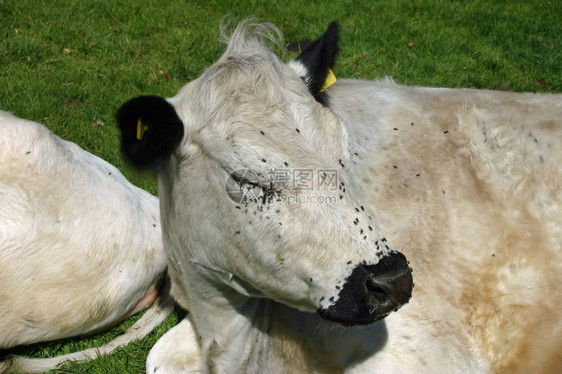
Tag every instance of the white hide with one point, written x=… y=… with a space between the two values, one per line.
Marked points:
x=80 y=247
x=177 y=352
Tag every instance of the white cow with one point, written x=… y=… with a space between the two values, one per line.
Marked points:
x=80 y=247
x=466 y=183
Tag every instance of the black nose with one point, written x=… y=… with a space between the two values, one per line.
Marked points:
x=371 y=292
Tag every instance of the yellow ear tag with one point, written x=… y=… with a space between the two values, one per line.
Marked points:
x=330 y=79
x=141 y=129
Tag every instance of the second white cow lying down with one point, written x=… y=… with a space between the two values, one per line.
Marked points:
x=80 y=246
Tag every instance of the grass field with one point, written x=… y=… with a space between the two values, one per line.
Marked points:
x=70 y=64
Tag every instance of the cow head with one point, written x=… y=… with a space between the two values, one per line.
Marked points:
x=254 y=188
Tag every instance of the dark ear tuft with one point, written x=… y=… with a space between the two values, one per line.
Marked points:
x=150 y=130
x=318 y=59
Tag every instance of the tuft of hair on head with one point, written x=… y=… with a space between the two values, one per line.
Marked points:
x=316 y=61
x=249 y=33
x=150 y=131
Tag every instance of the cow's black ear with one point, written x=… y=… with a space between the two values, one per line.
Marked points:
x=150 y=130
x=318 y=60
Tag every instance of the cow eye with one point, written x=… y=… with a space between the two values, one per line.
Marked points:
x=244 y=180
x=243 y=187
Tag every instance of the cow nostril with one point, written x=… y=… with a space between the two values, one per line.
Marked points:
x=389 y=285
x=379 y=295
x=375 y=289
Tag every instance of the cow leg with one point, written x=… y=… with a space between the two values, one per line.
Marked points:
x=176 y=352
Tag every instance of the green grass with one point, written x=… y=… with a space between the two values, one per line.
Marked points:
x=69 y=65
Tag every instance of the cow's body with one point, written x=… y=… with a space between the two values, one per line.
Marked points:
x=465 y=183
x=80 y=247
x=468 y=185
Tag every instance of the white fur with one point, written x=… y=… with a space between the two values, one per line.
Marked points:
x=465 y=183
x=177 y=352
x=300 y=69
x=80 y=247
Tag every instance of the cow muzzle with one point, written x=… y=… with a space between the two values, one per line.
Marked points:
x=372 y=292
